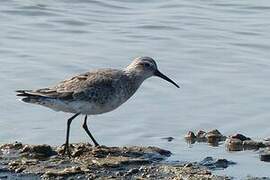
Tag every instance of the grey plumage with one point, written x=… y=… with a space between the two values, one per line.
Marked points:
x=94 y=92
x=104 y=88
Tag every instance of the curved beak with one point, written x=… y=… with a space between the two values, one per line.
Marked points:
x=159 y=74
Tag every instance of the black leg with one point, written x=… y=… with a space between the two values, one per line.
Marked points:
x=66 y=148
x=88 y=132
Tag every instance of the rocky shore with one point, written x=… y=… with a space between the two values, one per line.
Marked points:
x=235 y=142
x=23 y=161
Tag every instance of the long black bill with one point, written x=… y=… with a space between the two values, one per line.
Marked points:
x=159 y=74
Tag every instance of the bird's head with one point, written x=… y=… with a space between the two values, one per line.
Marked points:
x=147 y=67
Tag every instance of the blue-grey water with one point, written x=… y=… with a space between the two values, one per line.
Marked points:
x=218 y=51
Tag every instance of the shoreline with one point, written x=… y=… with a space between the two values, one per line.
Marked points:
x=26 y=161
x=45 y=162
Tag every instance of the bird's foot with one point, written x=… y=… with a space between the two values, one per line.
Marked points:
x=96 y=144
x=66 y=151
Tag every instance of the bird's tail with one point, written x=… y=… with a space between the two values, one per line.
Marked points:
x=29 y=96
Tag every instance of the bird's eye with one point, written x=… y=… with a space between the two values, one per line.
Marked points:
x=147 y=65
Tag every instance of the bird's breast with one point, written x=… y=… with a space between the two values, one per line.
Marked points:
x=106 y=103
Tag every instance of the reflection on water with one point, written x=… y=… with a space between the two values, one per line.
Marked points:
x=218 y=51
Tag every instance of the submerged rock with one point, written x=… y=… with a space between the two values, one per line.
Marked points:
x=265 y=156
x=169 y=139
x=266 y=143
x=252 y=145
x=233 y=144
x=201 y=136
x=212 y=137
x=213 y=164
x=239 y=142
x=190 y=137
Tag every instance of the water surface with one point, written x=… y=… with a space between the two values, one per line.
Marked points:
x=218 y=51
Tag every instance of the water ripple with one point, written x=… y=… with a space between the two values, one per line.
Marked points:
x=218 y=50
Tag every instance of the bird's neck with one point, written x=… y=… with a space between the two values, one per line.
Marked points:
x=135 y=77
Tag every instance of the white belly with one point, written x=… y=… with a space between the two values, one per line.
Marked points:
x=85 y=107
x=82 y=107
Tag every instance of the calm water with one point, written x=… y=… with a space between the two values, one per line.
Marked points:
x=218 y=51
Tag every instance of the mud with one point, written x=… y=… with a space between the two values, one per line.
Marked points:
x=23 y=161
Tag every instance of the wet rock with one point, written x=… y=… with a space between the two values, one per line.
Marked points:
x=65 y=172
x=101 y=151
x=14 y=163
x=188 y=165
x=233 y=144
x=90 y=162
x=252 y=145
x=265 y=156
x=201 y=136
x=80 y=149
x=38 y=151
x=240 y=137
x=239 y=142
x=266 y=144
x=160 y=151
x=29 y=161
x=212 y=163
x=60 y=149
x=132 y=172
x=19 y=169
x=119 y=173
x=214 y=136
x=16 y=146
x=190 y=137
x=150 y=176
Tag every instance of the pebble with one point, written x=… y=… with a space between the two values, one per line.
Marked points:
x=150 y=176
x=142 y=168
x=133 y=171
x=19 y=170
x=188 y=165
x=119 y=173
x=77 y=152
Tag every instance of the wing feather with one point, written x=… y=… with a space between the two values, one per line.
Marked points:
x=89 y=86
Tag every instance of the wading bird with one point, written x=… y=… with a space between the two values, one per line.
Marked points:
x=94 y=92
